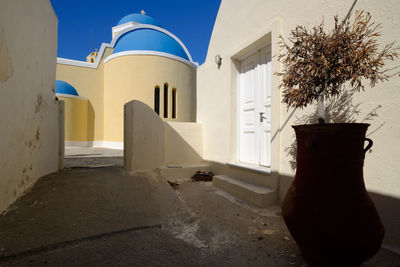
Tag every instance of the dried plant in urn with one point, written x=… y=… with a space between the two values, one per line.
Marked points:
x=317 y=65
x=327 y=208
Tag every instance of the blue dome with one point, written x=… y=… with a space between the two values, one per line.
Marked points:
x=139 y=18
x=149 y=40
x=65 y=88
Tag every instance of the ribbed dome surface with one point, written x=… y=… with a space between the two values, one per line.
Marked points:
x=149 y=40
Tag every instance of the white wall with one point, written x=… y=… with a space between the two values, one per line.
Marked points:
x=28 y=110
x=150 y=142
x=144 y=141
x=238 y=28
x=183 y=143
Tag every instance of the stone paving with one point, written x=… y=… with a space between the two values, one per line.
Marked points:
x=107 y=216
x=93 y=157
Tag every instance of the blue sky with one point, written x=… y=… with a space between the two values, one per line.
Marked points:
x=83 y=24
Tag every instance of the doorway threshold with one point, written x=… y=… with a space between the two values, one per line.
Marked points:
x=250 y=167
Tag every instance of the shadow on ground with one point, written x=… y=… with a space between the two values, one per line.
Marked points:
x=108 y=216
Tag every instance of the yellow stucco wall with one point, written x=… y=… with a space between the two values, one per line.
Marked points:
x=134 y=77
x=123 y=79
x=79 y=119
x=89 y=83
x=28 y=109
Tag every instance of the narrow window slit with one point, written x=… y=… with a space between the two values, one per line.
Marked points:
x=165 y=100
x=174 y=103
x=157 y=100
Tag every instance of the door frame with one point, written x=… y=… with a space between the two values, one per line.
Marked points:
x=237 y=118
x=267 y=35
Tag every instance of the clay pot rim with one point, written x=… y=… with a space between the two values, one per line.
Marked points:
x=332 y=126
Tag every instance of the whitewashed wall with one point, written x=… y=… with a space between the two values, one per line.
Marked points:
x=240 y=24
x=28 y=110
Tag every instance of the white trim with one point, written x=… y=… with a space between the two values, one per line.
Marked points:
x=106 y=144
x=116 y=29
x=77 y=63
x=255 y=50
x=103 y=47
x=72 y=96
x=237 y=113
x=152 y=53
x=147 y=26
x=268 y=34
x=250 y=167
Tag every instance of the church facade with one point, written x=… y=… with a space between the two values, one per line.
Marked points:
x=143 y=62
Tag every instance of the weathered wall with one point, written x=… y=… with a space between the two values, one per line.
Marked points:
x=240 y=24
x=28 y=110
x=135 y=77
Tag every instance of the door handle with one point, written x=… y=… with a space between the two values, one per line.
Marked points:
x=262 y=117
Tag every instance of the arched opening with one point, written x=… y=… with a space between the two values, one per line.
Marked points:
x=157 y=100
x=174 y=103
x=165 y=100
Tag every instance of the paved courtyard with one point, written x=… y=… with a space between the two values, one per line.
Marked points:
x=107 y=216
x=93 y=157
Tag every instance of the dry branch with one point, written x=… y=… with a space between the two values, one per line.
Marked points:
x=319 y=63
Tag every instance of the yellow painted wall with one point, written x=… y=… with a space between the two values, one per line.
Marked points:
x=134 y=77
x=79 y=119
x=89 y=83
x=123 y=79
x=28 y=109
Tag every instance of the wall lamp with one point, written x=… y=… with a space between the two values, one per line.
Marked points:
x=218 y=60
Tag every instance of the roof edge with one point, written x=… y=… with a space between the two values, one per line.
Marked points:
x=151 y=53
x=95 y=65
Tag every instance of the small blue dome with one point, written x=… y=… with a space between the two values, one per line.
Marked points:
x=149 y=40
x=139 y=18
x=65 y=88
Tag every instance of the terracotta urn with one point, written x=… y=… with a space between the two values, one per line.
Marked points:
x=327 y=208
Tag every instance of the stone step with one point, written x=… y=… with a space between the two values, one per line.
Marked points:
x=182 y=172
x=93 y=161
x=260 y=196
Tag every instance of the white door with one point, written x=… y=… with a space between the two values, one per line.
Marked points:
x=254 y=101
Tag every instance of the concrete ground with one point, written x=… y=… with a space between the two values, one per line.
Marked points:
x=93 y=157
x=106 y=216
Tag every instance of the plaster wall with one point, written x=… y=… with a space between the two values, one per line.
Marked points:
x=238 y=28
x=150 y=142
x=144 y=138
x=28 y=109
x=135 y=77
x=183 y=143
x=78 y=119
x=89 y=83
x=61 y=134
